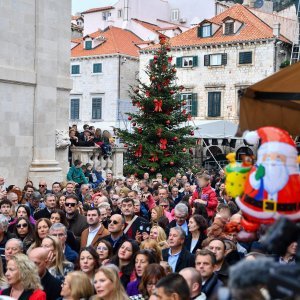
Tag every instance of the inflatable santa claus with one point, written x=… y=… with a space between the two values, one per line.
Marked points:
x=273 y=186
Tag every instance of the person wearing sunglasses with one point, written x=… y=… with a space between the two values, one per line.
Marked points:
x=25 y=232
x=116 y=226
x=77 y=222
x=43 y=188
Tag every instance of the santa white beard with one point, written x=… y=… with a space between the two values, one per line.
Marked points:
x=276 y=176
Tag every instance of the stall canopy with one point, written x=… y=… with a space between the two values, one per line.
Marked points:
x=214 y=129
x=274 y=101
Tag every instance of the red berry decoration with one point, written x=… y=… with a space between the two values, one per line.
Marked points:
x=172 y=92
x=175 y=138
x=192 y=132
x=183 y=102
x=191 y=151
x=168 y=122
x=184 y=150
x=140 y=130
x=125 y=145
x=171 y=163
x=129 y=118
x=153 y=78
x=133 y=124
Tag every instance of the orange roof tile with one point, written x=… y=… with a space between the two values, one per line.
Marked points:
x=147 y=25
x=97 y=9
x=117 y=40
x=253 y=28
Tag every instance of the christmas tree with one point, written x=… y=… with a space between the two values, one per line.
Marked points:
x=158 y=141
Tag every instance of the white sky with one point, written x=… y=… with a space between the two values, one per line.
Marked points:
x=82 y=5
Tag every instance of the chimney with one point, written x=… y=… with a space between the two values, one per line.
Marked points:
x=276 y=29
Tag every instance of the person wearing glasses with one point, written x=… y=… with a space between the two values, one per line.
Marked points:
x=105 y=251
x=59 y=230
x=116 y=226
x=77 y=222
x=114 y=204
x=50 y=202
x=43 y=188
x=25 y=232
x=96 y=231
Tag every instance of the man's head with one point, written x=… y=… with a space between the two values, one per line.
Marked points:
x=176 y=237
x=127 y=207
x=28 y=191
x=146 y=176
x=165 y=204
x=5 y=206
x=35 y=199
x=205 y=262
x=84 y=189
x=162 y=194
x=193 y=279
x=132 y=195
x=184 y=179
x=60 y=231
x=71 y=204
x=39 y=257
x=3 y=223
x=13 y=198
x=218 y=247
x=42 y=186
x=181 y=213
x=56 y=187
x=12 y=247
x=172 y=287
x=70 y=187
x=93 y=216
x=116 y=224
x=50 y=201
x=174 y=192
x=137 y=206
x=129 y=182
x=109 y=176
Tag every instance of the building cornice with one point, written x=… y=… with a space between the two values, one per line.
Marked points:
x=103 y=56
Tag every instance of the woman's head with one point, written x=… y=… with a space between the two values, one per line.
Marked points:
x=143 y=258
x=23 y=227
x=42 y=227
x=88 y=260
x=197 y=223
x=58 y=216
x=60 y=200
x=22 y=271
x=153 y=246
x=108 y=285
x=158 y=234
x=77 y=286
x=152 y=274
x=104 y=250
x=127 y=250
x=156 y=213
x=23 y=211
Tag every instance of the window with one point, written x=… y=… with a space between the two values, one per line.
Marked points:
x=205 y=31
x=120 y=13
x=74 y=109
x=214 y=104
x=96 y=108
x=191 y=103
x=229 y=28
x=187 y=61
x=175 y=15
x=245 y=58
x=88 y=45
x=105 y=15
x=215 y=59
x=75 y=69
x=97 y=68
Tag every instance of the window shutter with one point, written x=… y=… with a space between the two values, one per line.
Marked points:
x=195 y=61
x=200 y=32
x=194 y=106
x=214 y=104
x=206 y=60
x=74 y=109
x=245 y=57
x=96 y=108
x=75 y=69
x=224 y=59
x=97 y=68
x=179 y=62
x=88 y=45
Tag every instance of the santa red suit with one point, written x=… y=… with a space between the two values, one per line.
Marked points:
x=273 y=186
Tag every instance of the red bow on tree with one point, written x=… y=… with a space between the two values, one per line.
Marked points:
x=153 y=158
x=157 y=105
x=163 y=144
x=138 y=152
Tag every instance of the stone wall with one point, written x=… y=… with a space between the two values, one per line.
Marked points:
x=34 y=81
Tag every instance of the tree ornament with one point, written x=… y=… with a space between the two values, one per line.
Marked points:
x=184 y=150
x=168 y=122
x=138 y=152
x=133 y=124
x=159 y=132
x=153 y=157
x=168 y=48
x=184 y=111
x=155 y=57
x=142 y=107
x=164 y=68
x=147 y=94
x=192 y=132
x=174 y=70
x=172 y=92
x=183 y=102
x=175 y=138
x=152 y=170
x=181 y=87
x=135 y=174
x=170 y=59
x=163 y=144
x=140 y=130
x=167 y=154
x=162 y=39
x=153 y=78
x=157 y=105
x=191 y=151
x=129 y=118
x=136 y=90
x=189 y=117
x=171 y=163
x=125 y=145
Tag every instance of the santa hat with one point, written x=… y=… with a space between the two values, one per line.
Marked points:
x=275 y=140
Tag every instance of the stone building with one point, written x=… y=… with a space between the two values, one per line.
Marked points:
x=34 y=86
x=103 y=66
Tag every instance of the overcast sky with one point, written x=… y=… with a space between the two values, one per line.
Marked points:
x=82 y=5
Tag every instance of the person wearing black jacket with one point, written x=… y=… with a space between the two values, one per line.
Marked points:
x=177 y=255
x=50 y=202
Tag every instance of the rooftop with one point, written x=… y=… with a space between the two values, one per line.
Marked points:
x=92 y=10
x=117 y=40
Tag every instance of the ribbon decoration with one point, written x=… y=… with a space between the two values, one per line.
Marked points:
x=157 y=105
x=163 y=144
x=138 y=152
x=153 y=157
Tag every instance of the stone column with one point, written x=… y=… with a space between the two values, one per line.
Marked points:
x=49 y=46
x=118 y=159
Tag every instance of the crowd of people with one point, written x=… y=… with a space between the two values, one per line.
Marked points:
x=126 y=238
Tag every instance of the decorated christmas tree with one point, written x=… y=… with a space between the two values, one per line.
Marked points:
x=158 y=140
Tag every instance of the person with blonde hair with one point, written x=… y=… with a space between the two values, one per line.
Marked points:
x=76 y=286
x=153 y=246
x=159 y=235
x=23 y=279
x=58 y=266
x=156 y=213
x=108 y=285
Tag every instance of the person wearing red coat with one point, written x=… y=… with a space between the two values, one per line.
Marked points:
x=205 y=195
